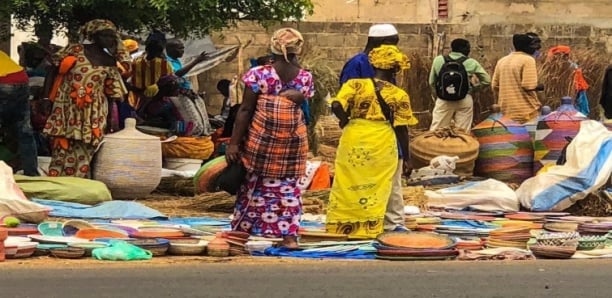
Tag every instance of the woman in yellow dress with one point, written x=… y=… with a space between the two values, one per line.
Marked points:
x=367 y=155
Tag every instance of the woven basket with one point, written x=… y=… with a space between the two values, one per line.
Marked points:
x=558 y=239
x=446 y=141
x=68 y=253
x=591 y=242
x=129 y=162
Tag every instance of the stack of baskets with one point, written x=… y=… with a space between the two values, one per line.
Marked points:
x=555 y=245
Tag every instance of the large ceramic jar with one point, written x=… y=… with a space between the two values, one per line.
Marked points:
x=129 y=162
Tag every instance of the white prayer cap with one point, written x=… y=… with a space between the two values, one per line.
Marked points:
x=382 y=30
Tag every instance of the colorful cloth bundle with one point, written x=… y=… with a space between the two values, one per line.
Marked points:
x=506 y=150
x=552 y=133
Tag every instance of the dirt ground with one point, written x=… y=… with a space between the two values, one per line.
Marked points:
x=52 y=262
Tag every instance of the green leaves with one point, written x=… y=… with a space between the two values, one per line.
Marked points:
x=179 y=17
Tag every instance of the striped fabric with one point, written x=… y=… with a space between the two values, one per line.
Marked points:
x=277 y=141
x=147 y=72
x=514 y=74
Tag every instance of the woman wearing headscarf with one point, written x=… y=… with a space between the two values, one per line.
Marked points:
x=367 y=156
x=270 y=139
x=87 y=81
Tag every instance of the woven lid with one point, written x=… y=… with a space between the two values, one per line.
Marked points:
x=566 y=100
x=131 y=133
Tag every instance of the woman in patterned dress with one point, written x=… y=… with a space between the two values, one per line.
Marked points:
x=270 y=139
x=87 y=80
x=371 y=141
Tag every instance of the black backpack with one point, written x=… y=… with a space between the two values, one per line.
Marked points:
x=453 y=82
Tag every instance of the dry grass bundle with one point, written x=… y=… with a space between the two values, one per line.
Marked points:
x=415 y=196
x=557 y=75
x=416 y=82
x=595 y=204
x=330 y=132
x=327 y=153
x=326 y=82
x=212 y=204
x=176 y=186
x=220 y=204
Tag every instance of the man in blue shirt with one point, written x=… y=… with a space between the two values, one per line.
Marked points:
x=175 y=49
x=359 y=67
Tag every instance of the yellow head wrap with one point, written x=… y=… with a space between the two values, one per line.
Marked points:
x=387 y=57
x=286 y=41
x=130 y=45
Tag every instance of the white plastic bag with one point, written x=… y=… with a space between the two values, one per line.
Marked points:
x=311 y=169
x=489 y=195
x=14 y=203
x=588 y=168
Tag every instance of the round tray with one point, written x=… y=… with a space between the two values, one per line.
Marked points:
x=68 y=253
x=187 y=249
x=23 y=230
x=415 y=240
x=88 y=246
x=552 y=252
x=157 y=246
x=91 y=234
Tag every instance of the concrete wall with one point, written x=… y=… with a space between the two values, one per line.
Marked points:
x=593 y=12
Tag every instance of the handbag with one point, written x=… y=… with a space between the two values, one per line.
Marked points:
x=386 y=109
x=387 y=112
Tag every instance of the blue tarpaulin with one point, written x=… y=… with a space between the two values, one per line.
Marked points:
x=106 y=210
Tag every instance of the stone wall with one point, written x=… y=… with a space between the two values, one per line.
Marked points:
x=339 y=41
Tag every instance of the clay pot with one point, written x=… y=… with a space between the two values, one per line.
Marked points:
x=218 y=247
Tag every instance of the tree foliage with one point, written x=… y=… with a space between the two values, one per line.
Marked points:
x=179 y=17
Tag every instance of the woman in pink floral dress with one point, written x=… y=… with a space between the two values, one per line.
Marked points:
x=87 y=80
x=270 y=139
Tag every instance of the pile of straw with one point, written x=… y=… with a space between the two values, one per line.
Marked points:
x=330 y=131
x=415 y=196
x=416 y=82
x=326 y=83
x=220 y=204
x=557 y=75
x=176 y=186
x=595 y=204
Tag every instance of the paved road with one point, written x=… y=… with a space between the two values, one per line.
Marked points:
x=569 y=278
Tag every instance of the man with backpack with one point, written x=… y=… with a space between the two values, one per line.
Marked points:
x=451 y=78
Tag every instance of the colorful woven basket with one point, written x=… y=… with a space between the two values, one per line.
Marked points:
x=205 y=177
x=506 y=150
x=129 y=162
x=552 y=133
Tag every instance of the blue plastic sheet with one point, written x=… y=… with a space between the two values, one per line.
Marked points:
x=284 y=252
x=106 y=210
